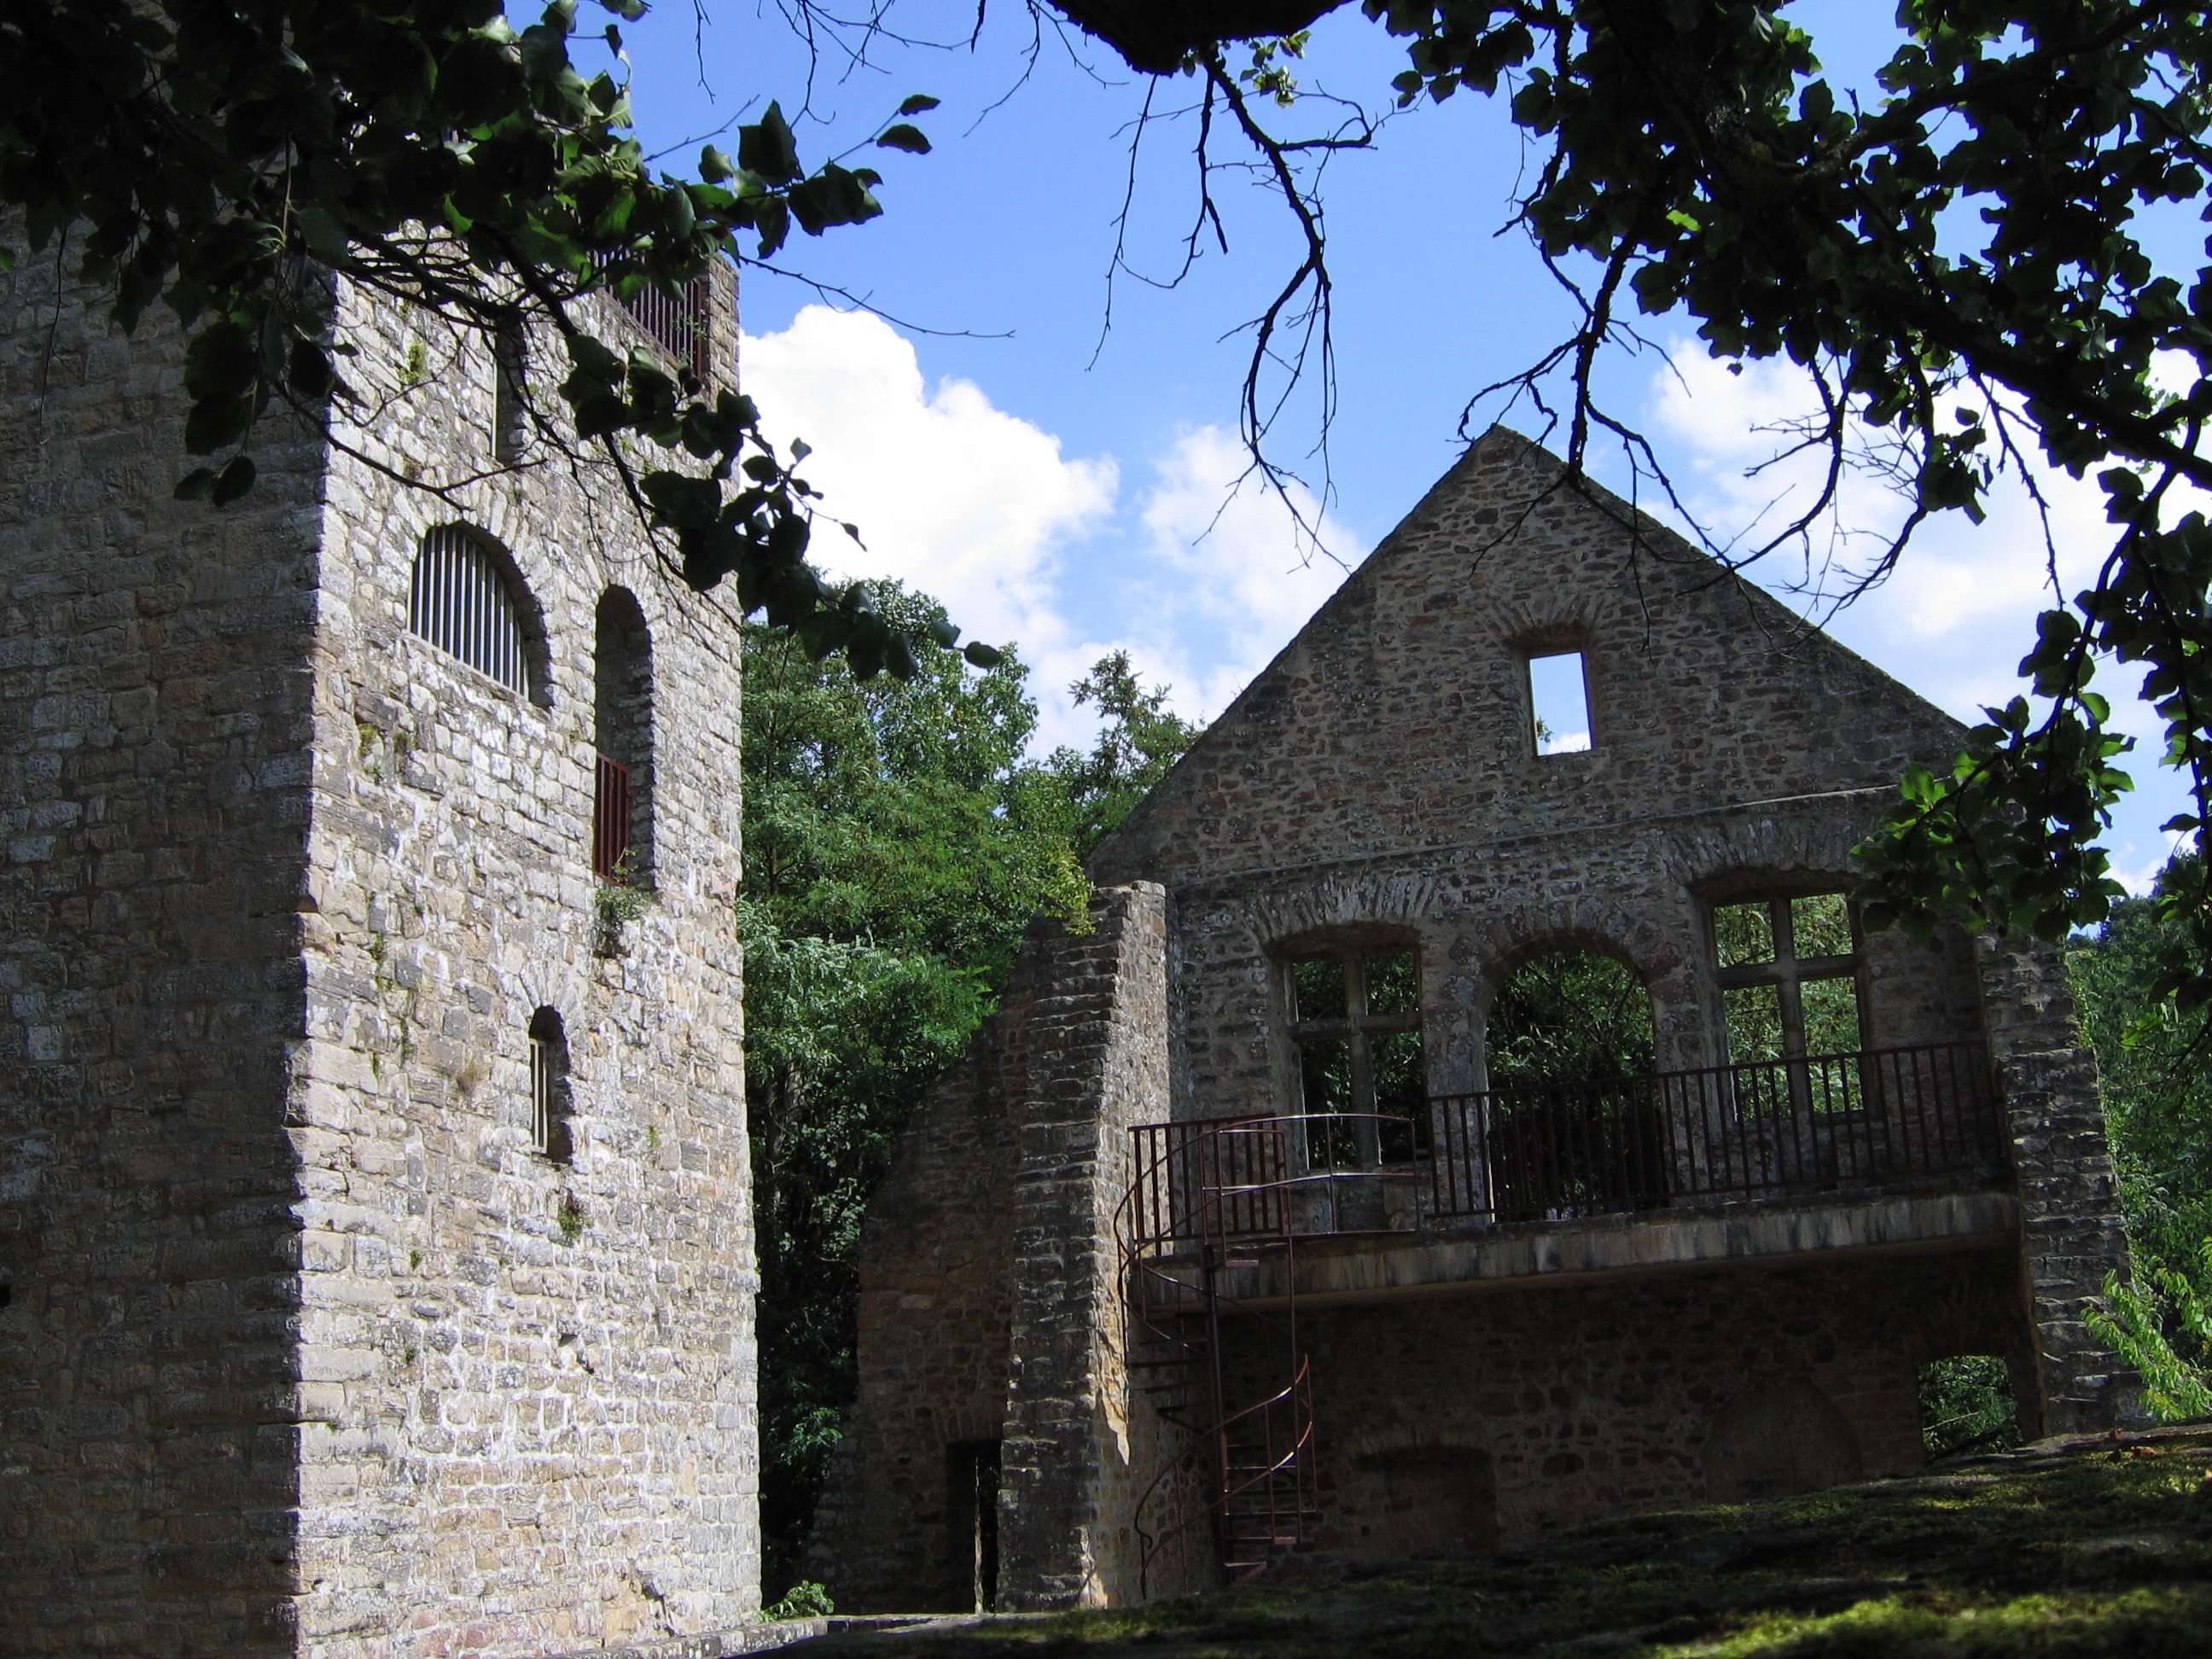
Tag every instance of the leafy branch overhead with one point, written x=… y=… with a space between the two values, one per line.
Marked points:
x=224 y=160
x=1955 y=256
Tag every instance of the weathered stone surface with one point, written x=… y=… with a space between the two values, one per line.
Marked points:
x=1380 y=784
x=308 y=1350
x=993 y=1236
x=1597 y=1399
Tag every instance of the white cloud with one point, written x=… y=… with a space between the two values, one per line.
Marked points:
x=1202 y=580
x=1234 y=576
x=950 y=494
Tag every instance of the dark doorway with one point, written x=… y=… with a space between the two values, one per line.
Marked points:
x=971 y=1520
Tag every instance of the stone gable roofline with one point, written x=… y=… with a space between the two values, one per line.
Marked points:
x=1507 y=480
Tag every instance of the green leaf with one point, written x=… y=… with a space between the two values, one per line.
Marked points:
x=713 y=166
x=233 y=481
x=766 y=147
x=218 y=422
x=223 y=361
x=917 y=104
x=904 y=137
x=980 y=655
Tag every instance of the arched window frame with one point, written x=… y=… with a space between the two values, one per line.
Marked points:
x=623 y=716
x=551 y=1103
x=465 y=597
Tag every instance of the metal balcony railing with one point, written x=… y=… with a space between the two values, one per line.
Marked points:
x=679 y=325
x=1565 y=1151
x=1560 y=1151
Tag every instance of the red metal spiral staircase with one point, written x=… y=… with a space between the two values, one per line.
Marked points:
x=1234 y=1488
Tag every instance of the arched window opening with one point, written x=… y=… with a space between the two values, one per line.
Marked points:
x=461 y=600
x=1576 y=1128
x=549 y=1105
x=621 y=812
x=1357 y=1022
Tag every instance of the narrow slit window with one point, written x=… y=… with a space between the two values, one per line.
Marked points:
x=510 y=413
x=621 y=816
x=1558 y=702
x=549 y=1109
x=459 y=600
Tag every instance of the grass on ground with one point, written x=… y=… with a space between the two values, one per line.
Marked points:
x=2054 y=1551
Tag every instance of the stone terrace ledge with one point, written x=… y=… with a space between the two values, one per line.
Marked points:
x=1377 y=1266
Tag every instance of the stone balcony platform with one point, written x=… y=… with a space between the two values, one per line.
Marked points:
x=1466 y=1258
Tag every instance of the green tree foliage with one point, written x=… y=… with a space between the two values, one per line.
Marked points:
x=221 y=157
x=1966 y=1406
x=1141 y=738
x=897 y=845
x=1569 y=1017
x=895 y=852
x=2158 y=1108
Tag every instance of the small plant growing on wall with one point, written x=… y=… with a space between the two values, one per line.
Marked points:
x=615 y=905
x=571 y=1217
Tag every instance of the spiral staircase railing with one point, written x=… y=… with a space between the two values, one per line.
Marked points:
x=1234 y=1488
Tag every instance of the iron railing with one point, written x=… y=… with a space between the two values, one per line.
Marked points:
x=679 y=326
x=610 y=821
x=1824 y=1123
x=1214 y=1181
x=1562 y=1151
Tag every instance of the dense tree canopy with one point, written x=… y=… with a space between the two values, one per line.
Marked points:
x=2158 y=1108
x=898 y=843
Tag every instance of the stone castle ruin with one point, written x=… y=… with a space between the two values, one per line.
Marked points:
x=376 y=1222
x=1247 y=1237
x=374 y=1202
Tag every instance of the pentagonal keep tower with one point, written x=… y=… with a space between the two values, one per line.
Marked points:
x=375 y=1217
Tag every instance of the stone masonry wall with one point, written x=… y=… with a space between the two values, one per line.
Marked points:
x=306 y=1350
x=2071 y=1226
x=1074 y=1460
x=990 y=1245
x=1570 y=1403
x=1380 y=774
x=155 y=722
x=526 y=1393
x=936 y=1269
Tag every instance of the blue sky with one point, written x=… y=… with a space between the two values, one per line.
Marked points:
x=1069 y=484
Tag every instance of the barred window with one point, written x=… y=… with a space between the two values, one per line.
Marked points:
x=461 y=601
x=622 y=820
x=548 y=1086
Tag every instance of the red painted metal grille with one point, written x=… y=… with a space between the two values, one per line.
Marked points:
x=678 y=326
x=610 y=821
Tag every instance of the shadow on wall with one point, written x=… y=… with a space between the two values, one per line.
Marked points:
x=1422 y=1500
x=1780 y=1436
